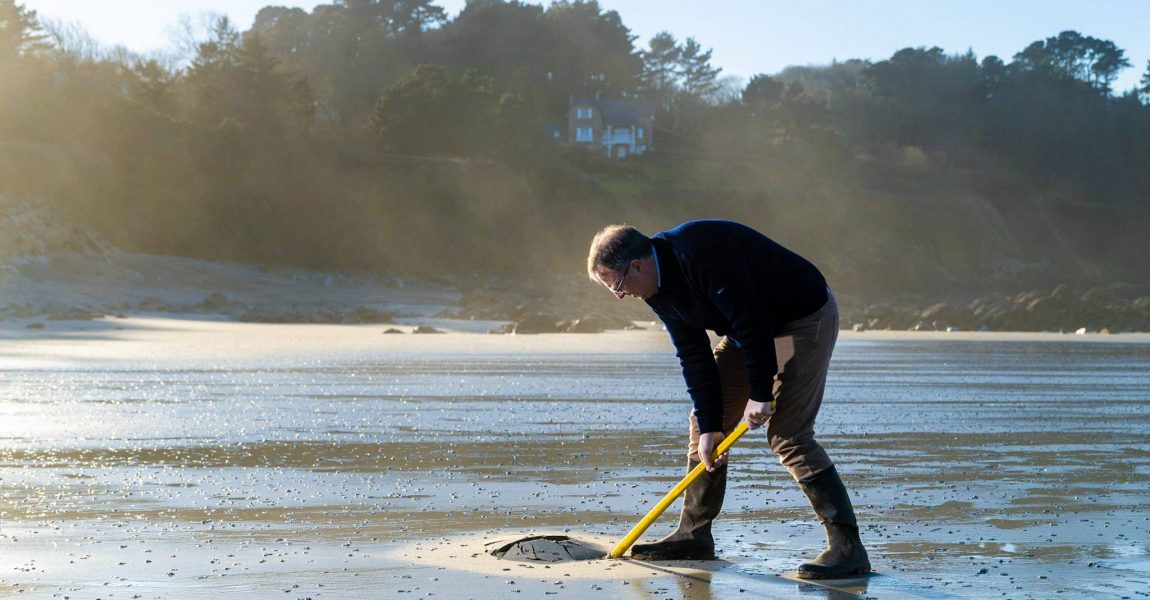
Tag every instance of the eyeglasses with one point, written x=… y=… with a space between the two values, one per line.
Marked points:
x=618 y=289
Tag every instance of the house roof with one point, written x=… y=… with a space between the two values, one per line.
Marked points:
x=621 y=112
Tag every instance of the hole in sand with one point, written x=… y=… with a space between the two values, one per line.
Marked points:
x=545 y=548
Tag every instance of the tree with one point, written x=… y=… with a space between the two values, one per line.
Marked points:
x=152 y=84
x=1071 y=55
x=1108 y=60
x=269 y=97
x=762 y=93
x=236 y=78
x=699 y=78
x=207 y=76
x=800 y=112
x=660 y=75
x=288 y=34
x=922 y=97
x=394 y=18
x=73 y=40
x=1144 y=91
x=429 y=111
x=993 y=74
x=350 y=50
x=906 y=73
x=20 y=32
x=516 y=57
x=590 y=52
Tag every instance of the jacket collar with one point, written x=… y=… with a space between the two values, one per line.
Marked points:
x=667 y=264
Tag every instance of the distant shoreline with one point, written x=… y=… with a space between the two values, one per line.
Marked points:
x=30 y=327
x=38 y=291
x=180 y=338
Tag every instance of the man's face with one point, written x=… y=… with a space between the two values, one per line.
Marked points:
x=637 y=280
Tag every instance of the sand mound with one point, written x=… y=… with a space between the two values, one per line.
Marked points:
x=544 y=548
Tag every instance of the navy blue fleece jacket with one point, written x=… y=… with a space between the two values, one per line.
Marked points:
x=735 y=281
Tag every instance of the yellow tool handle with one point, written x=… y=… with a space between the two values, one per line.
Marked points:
x=678 y=490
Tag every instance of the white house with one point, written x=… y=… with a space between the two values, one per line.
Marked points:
x=619 y=128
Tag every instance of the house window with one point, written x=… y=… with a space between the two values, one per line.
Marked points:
x=583 y=112
x=584 y=134
x=555 y=134
x=640 y=133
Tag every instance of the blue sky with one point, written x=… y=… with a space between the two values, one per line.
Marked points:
x=747 y=36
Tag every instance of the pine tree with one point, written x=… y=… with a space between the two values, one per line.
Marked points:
x=700 y=79
x=20 y=32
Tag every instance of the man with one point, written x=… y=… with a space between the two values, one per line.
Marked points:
x=778 y=322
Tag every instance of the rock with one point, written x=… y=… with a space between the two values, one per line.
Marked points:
x=214 y=302
x=20 y=311
x=426 y=329
x=1026 y=297
x=35 y=326
x=1099 y=295
x=534 y=323
x=72 y=314
x=940 y=310
x=290 y=314
x=392 y=330
x=153 y=304
x=363 y=314
x=1141 y=306
x=596 y=324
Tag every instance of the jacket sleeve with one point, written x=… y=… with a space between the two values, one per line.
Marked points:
x=693 y=347
x=729 y=286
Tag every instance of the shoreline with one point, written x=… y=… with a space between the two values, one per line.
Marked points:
x=31 y=328
x=175 y=341
x=62 y=287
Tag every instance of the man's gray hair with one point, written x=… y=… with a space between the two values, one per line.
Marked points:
x=615 y=246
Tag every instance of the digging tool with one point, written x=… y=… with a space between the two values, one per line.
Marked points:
x=675 y=492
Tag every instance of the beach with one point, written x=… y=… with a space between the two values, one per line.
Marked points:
x=168 y=457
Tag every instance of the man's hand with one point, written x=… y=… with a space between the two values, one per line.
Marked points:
x=707 y=444
x=757 y=413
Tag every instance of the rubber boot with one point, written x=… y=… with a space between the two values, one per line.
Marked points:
x=692 y=539
x=845 y=555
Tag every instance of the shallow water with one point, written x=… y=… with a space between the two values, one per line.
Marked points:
x=978 y=468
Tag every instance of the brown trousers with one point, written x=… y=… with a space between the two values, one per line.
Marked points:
x=804 y=351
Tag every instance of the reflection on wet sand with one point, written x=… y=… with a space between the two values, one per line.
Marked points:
x=1011 y=469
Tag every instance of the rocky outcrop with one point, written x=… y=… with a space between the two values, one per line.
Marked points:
x=549 y=323
x=1100 y=309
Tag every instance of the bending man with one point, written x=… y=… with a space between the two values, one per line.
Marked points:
x=778 y=322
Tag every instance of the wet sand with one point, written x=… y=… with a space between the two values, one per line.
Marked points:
x=169 y=458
